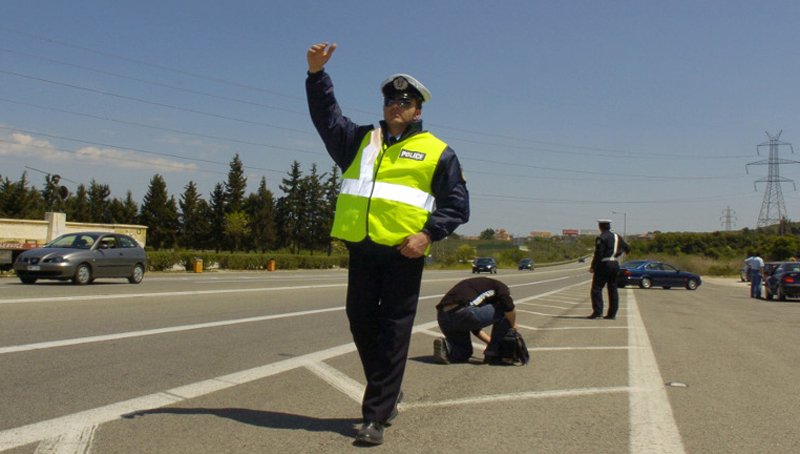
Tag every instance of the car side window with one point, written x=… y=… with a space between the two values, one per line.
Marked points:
x=127 y=242
x=669 y=268
x=108 y=242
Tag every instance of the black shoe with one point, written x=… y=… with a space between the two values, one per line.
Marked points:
x=492 y=360
x=594 y=316
x=440 y=351
x=395 y=412
x=610 y=317
x=371 y=433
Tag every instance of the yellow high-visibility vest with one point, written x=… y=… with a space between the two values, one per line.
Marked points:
x=386 y=191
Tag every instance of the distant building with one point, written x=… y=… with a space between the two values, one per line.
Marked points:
x=540 y=234
x=569 y=232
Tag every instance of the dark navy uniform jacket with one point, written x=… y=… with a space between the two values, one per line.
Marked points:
x=343 y=138
x=604 y=248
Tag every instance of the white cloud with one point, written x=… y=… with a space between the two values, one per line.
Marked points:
x=17 y=145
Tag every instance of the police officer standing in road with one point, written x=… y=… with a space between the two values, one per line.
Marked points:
x=607 y=248
x=402 y=189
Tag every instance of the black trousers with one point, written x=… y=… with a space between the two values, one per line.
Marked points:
x=382 y=296
x=606 y=274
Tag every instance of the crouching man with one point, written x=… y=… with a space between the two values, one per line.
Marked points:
x=470 y=306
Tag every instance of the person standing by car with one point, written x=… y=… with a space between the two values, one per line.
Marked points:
x=468 y=307
x=756 y=265
x=607 y=248
x=402 y=189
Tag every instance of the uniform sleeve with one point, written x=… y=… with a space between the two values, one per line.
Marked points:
x=341 y=136
x=598 y=252
x=452 y=198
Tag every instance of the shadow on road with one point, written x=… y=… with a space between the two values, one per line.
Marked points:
x=260 y=418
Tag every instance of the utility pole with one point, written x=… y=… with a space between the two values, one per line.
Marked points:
x=773 y=209
x=728 y=218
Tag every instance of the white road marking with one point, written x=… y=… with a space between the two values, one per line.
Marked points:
x=518 y=396
x=151 y=332
x=77 y=442
x=652 y=425
x=338 y=380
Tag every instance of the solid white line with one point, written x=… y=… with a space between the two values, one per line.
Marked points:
x=652 y=424
x=163 y=294
x=561 y=328
x=338 y=380
x=544 y=349
x=151 y=332
x=518 y=396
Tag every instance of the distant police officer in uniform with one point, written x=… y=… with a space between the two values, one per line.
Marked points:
x=402 y=189
x=607 y=248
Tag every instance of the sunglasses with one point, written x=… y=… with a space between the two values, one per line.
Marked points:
x=401 y=103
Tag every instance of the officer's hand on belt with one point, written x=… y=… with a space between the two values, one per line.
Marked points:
x=414 y=245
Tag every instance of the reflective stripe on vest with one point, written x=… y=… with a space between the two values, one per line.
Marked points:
x=386 y=191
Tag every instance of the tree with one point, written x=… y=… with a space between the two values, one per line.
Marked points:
x=290 y=208
x=311 y=233
x=98 y=202
x=20 y=201
x=487 y=234
x=160 y=214
x=216 y=216
x=236 y=228
x=236 y=186
x=193 y=224
x=78 y=206
x=260 y=208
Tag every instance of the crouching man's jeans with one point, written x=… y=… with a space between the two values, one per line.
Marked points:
x=458 y=324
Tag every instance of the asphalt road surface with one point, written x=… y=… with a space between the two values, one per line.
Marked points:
x=264 y=363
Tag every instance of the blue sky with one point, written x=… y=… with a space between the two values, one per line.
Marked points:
x=561 y=112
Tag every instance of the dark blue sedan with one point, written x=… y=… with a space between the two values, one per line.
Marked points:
x=650 y=273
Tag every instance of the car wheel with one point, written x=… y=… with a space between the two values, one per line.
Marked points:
x=83 y=275
x=691 y=284
x=137 y=275
x=646 y=283
x=28 y=280
x=494 y=271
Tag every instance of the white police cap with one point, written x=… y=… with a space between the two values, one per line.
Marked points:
x=406 y=85
x=604 y=221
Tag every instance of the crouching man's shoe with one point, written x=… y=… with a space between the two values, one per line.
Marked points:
x=440 y=351
x=371 y=433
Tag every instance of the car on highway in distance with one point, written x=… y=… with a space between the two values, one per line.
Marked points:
x=526 y=264
x=783 y=281
x=83 y=257
x=651 y=273
x=486 y=264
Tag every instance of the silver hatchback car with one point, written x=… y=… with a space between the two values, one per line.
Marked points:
x=83 y=257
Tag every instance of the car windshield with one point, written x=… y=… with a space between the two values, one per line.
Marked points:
x=484 y=261
x=73 y=241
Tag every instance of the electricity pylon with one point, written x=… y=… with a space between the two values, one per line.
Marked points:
x=728 y=218
x=773 y=209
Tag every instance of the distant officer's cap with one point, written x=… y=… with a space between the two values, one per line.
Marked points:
x=400 y=86
x=604 y=221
